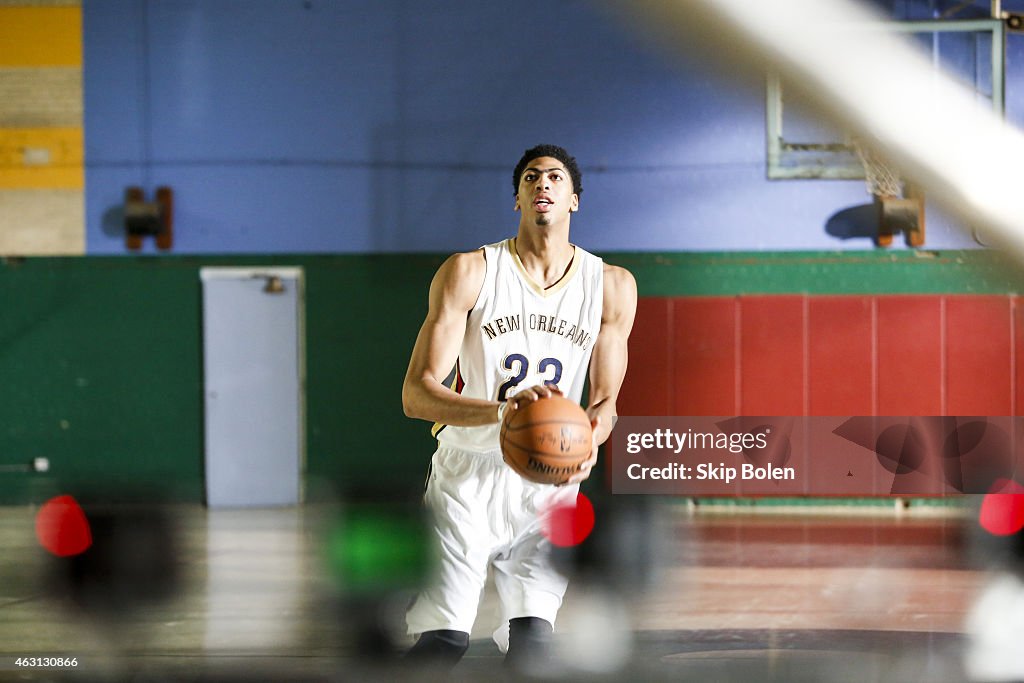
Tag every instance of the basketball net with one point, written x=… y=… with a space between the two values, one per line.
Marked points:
x=880 y=176
x=900 y=205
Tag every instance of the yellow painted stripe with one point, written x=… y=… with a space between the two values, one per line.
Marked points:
x=41 y=158
x=42 y=179
x=40 y=36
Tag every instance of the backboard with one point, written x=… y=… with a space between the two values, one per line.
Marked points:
x=800 y=144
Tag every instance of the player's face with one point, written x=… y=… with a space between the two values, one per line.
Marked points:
x=546 y=192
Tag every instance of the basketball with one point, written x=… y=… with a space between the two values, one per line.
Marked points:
x=546 y=441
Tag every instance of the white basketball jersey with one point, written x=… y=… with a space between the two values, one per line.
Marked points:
x=519 y=335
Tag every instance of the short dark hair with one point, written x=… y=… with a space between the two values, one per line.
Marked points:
x=555 y=152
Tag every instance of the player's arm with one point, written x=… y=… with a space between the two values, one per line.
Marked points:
x=453 y=293
x=608 y=360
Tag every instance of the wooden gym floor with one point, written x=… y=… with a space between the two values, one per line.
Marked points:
x=742 y=596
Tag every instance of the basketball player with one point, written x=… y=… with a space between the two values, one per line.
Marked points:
x=518 y=320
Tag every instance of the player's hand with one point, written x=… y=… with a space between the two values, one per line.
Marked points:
x=535 y=393
x=588 y=465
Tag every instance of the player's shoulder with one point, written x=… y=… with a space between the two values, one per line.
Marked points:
x=466 y=263
x=619 y=293
x=618 y=278
x=461 y=276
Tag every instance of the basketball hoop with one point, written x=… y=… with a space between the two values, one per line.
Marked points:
x=900 y=204
x=881 y=177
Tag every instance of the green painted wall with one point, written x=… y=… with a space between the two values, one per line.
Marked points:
x=101 y=358
x=102 y=366
x=862 y=272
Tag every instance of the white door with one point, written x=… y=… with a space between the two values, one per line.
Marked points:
x=253 y=377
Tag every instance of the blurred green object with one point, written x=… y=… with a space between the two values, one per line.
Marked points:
x=375 y=549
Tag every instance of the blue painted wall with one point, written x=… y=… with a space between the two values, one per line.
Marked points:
x=293 y=126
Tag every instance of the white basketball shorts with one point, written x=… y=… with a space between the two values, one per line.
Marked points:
x=487 y=515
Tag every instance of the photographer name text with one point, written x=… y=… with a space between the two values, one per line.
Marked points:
x=667 y=440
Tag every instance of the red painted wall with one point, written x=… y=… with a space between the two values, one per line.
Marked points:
x=826 y=355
